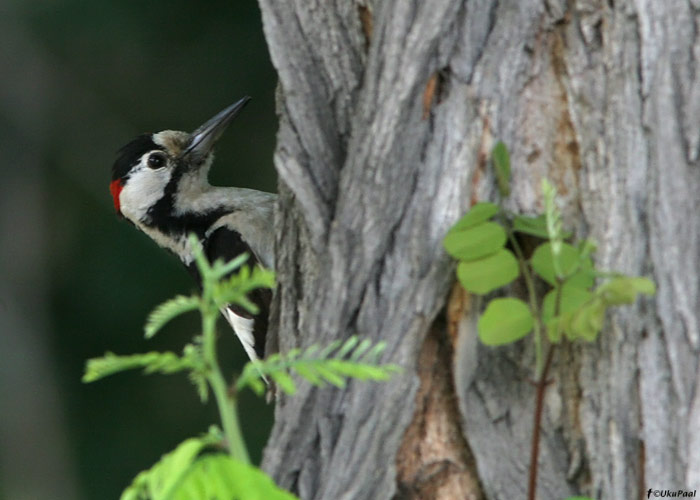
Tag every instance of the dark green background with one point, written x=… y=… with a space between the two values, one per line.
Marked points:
x=78 y=79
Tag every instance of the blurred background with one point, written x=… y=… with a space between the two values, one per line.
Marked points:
x=78 y=79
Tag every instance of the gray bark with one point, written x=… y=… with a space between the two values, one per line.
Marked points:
x=601 y=97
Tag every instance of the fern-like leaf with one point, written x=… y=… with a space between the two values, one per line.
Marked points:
x=333 y=365
x=220 y=268
x=167 y=311
x=151 y=362
x=236 y=287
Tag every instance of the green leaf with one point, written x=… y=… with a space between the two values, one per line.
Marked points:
x=151 y=362
x=535 y=226
x=235 y=288
x=160 y=481
x=485 y=275
x=501 y=165
x=351 y=345
x=221 y=269
x=199 y=257
x=359 y=351
x=198 y=371
x=284 y=381
x=584 y=277
x=330 y=365
x=310 y=374
x=504 y=321
x=188 y=473
x=329 y=372
x=586 y=247
x=476 y=242
x=569 y=260
x=572 y=297
x=167 y=311
x=624 y=290
x=481 y=212
x=587 y=321
x=219 y=477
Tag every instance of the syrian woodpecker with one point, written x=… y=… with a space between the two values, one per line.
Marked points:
x=159 y=184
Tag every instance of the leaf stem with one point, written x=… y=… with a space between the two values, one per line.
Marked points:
x=539 y=403
x=224 y=399
x=532 y=298
x=537 y=421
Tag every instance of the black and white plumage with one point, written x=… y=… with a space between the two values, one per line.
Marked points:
x=159 y=184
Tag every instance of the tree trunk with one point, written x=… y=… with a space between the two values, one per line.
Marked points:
x=388 y=112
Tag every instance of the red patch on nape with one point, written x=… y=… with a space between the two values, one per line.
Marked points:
x=115 y=187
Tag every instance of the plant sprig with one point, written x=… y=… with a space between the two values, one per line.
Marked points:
x=332 y=365
x=478 y=242
x=192 y=471
x=574 y=308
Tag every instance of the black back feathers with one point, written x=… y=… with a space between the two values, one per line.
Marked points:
x=227 y=244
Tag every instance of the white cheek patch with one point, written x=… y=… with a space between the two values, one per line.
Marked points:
x=143 y=189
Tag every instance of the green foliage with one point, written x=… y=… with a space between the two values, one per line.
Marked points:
x=331 y=365
x=534 y=226
x=573 y=308
x=200 y=468
x=624 y=289
x=167 y=311
x=563 y=266
x=151 y=362
x=501 y=166
x=481 y=212
x=235 y=289
x=504 y=321
x=570 y=298
x=485 y=275
x=476 y=242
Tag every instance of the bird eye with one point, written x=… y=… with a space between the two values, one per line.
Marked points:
x=156 y=160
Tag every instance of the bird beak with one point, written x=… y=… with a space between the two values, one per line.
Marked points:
x=203 y=139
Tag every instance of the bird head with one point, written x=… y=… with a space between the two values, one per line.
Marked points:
x=153 y=168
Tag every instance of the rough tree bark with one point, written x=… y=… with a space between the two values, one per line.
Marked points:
x=388 y=110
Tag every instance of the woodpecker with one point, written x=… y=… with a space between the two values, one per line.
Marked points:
x=160 y=185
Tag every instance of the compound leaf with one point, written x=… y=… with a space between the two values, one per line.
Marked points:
x=333 y=364
x=167 y=311
x=151 y=362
